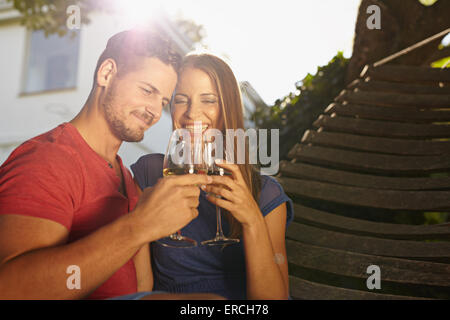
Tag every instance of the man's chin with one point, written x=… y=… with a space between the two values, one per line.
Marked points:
x=134 y=138
x=132 y=135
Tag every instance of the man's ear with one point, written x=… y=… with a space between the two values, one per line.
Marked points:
x=106 y=71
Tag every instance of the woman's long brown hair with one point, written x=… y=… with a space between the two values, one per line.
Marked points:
x=232 y=112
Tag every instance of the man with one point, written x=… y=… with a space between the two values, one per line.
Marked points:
x=66 y=199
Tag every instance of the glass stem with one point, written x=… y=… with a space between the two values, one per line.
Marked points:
x=219 y=233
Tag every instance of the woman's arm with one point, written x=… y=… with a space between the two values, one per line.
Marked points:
x=142 y=263
x=265 y=257
x=265 y=251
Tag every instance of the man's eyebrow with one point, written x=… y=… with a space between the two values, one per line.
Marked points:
x=154 y=89
x=151 y=86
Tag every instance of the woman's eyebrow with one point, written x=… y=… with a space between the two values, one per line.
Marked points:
x=208 y=94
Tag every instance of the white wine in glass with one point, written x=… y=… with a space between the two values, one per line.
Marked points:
x=214 y=170
x=179 y=161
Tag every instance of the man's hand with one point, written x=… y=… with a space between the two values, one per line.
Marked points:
x=169 y=205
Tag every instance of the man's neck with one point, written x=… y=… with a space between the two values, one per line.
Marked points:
x=93 y=127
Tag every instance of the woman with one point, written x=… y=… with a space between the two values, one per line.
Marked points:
x=258 y=211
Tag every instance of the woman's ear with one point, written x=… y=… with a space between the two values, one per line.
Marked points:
x=105 y=73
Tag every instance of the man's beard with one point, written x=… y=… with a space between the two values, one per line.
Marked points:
x=117 y=123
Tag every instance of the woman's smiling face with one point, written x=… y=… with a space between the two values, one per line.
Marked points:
x=196 y=99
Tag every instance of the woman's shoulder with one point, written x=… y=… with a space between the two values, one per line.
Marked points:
x=148 y=169
x=150 y=158
x=270 y=187
x=272 y=195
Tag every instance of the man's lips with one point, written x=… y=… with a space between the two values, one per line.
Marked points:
x=144 y=118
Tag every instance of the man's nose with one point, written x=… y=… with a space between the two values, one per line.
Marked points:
x=155 y=108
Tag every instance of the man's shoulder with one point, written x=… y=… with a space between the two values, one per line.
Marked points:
x=56 y=146
x=59 y=139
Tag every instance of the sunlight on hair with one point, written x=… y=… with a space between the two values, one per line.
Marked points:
x=283 y=40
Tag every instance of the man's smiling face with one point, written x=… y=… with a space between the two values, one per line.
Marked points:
x=134 y=99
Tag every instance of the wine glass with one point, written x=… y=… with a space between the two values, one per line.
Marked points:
x=181 y=158
x=213 y=169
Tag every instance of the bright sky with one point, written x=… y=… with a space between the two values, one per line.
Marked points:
x=271 y=44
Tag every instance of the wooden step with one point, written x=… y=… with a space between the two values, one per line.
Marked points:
x=408 y=74
x=382 y=128
x=371 y=162
x=350 y=264
x=330 y=221
x=306 y=290
x=388 y=113
x=432 y=251
x=318 y=173
x=365 y=197
x=395 y=99
x=398 y=87
x=374 y=144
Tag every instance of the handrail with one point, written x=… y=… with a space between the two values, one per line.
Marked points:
x=411 y=48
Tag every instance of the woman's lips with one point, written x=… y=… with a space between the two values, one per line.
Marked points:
x=195 y=127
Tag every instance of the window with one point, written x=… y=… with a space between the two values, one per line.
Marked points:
x=5 y=5
x=52 y=62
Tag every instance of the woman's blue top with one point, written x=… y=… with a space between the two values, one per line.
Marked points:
x=204 y=269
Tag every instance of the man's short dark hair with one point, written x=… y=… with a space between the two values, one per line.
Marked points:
x=126 y=47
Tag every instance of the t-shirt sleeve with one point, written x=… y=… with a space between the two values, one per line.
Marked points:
x=148 y=169
x=272 y=195
x=40 y=182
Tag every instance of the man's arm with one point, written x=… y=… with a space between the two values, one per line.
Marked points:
x=143 y=267
x=34 y=256
x=142 y=262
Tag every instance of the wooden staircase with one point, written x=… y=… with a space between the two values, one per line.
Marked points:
x=380 y=151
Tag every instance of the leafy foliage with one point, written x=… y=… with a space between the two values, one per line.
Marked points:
x=195 y=32
x=427 y=2
x=50 y=15
x=296 y=112
x=444 y=62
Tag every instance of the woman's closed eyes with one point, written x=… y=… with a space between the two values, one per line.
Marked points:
x=184 y=100
x=209 y=101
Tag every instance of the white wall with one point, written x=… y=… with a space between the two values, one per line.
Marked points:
x=25 y=116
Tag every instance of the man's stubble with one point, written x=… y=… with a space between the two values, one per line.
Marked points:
x=117 y=119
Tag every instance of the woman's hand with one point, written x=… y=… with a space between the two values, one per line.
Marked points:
x=236 y=196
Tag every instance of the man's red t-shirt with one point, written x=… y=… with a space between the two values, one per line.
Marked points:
x=57 y=176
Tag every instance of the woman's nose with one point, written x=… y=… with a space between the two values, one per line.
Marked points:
x=193 y=111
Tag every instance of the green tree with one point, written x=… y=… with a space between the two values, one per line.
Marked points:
x=51 y=16
x=296 y=112
x=400 y=28
x=403 y=23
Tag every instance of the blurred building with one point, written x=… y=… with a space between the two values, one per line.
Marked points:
x=252 y=101
x=46 y=81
